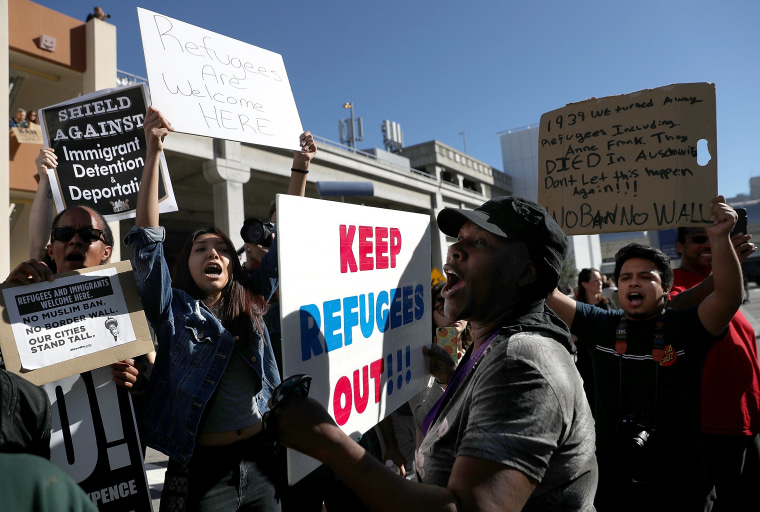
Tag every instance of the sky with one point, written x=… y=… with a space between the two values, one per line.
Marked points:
x=446 y=68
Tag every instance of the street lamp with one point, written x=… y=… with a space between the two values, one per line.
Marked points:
x=351 y=133
x=353 y=128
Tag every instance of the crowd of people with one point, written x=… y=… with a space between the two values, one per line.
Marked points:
x=22 y=118
x=645 y=398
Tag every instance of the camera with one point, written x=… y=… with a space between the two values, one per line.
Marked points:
x=635 y=431
x=634 y=439
x=256 y=231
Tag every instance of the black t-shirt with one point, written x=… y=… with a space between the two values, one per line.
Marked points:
x=664 y=395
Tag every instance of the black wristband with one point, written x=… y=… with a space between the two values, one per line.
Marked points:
x=302 y=171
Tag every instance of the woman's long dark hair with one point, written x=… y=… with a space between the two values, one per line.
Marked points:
x=241 y=307
x=584 y=276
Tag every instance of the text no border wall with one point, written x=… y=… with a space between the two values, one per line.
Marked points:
x=630 y=162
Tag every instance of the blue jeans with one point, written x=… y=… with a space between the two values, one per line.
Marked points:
x=234 y=478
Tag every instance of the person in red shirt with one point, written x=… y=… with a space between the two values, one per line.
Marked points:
x=730 y=379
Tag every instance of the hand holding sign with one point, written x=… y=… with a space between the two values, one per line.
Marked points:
x=30 y=271
x=156 y=127
x=46 y=160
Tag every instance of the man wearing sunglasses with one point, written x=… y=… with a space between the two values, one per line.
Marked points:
x=80 y=238
x=730 y=411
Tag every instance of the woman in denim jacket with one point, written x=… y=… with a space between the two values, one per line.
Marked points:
x=215 y=369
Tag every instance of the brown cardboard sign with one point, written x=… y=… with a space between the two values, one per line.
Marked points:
x=629 y=162
x=29 y=135
x=83 y=320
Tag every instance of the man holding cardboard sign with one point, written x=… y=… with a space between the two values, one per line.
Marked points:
x=513 y=430
x=648 y=361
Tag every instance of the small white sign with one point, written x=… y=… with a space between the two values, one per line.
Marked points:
x=355 y=308
x=212 y=85
x=70 y=317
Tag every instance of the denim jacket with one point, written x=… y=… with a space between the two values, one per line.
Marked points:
x=193 y=348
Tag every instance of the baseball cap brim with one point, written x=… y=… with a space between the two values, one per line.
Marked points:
x=450 y=221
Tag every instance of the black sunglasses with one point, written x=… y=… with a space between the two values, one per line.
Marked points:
x=698 y=239
x=89 y=235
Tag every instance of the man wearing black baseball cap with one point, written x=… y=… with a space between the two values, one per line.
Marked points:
x=513 y=431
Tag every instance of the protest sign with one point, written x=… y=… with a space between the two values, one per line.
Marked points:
x=630 y=162
x=355 y=308
x=32 y=134
x=100 y=144
x=94 y=440
x=82 y=320
x=212 y=85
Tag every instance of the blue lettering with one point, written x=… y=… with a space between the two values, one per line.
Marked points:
x=332 y=326
x=332 y=323
x=310 y=324
x=419 y=303
x=350 y=317
x=408 y=303
x=367 y=317
x=382 y=313
x=395 y=308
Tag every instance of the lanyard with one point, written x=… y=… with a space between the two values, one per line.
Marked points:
x=658 y=352
x=658 y=345
x=460 y=374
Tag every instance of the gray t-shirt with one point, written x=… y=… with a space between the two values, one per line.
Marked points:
x=523 y=406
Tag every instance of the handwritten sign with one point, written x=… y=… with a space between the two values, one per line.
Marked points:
x=209 y=84
x=100 y=144
x=630 y=162
x=82 y=320
x=359 y=327
x=32 y=134
x=94 y=439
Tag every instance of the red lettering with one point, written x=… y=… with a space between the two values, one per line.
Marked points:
x=376 y=372
x=365 y=248
x=385 y=246
x=347 y=261
x=395 y=245
x=360 y=400
x=381 y=248
x=342 y=388
x=344 y=398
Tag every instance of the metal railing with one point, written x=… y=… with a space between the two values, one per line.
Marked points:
x=124 y=78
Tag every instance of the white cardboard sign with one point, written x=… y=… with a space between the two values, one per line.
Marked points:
x=58 y=321
x=355 y=308
x=212 y=85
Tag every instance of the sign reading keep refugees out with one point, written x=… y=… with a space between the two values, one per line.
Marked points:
x=359 y=327
x=100 y=144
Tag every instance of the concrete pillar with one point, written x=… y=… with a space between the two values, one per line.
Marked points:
x=460 y=179
x=227 y=175
x=101 y=74
x=438 y=245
